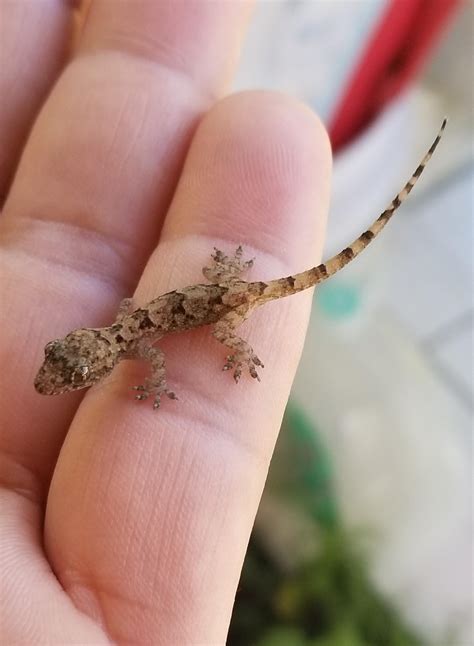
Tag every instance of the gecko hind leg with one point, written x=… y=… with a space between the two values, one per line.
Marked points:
x=156 y=384
x=242 y=353
x=124 y=309
x=225 y=268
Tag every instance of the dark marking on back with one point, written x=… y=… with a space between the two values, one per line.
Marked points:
x=322 y=269
x=98 y=335
x=367 y=236
x=347 y=253
x=145 y=322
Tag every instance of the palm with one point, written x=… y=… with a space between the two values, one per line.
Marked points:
x=119 y=522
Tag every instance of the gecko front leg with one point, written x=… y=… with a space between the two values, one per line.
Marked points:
x=226 y=268
x=243 y=353
x=156 y=384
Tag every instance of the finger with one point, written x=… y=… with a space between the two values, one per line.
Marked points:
x=97 y=174
x=169 y=498
x=34 y=39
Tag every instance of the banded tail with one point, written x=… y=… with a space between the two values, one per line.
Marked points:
x=292 y=284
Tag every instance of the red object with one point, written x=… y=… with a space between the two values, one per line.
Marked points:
x=393 y=57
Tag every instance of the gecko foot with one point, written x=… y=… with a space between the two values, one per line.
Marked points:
x=242 y=353
x=153 y=389
x=226 y=268
x=236 y=362
x=156 y=385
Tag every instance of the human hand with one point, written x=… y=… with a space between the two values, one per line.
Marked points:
x=120 y=523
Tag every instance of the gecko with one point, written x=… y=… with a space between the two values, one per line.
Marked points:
x=87 y=355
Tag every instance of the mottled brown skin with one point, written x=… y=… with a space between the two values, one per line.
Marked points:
x=86 y=356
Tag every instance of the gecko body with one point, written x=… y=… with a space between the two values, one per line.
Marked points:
x=87 y=355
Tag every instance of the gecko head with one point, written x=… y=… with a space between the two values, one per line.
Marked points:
x=77 y=361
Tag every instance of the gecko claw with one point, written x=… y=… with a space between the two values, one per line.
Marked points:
x=229 y=362
x=165 y=391
x=254 y=373
x=160 y=390
x=236 y=363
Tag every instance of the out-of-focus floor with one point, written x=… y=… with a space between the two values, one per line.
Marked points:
x=431 y=295
x=389 y=384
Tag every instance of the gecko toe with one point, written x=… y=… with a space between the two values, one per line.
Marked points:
x=236 y=364
x=254 y=373
x=143 y=392
x=158 y=390
x=229 y=362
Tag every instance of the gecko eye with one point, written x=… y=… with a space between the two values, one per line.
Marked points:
x=80 y=374
x=49 y=347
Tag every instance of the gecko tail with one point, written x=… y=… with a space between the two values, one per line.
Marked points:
x=299 y=282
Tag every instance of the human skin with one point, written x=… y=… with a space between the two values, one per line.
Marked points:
x=119 y=523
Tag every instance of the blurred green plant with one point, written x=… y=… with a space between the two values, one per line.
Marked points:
x=329 y=599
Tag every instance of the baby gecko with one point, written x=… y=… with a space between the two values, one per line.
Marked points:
x=87 y=355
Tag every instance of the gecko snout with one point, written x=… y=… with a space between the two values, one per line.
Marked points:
x=77 y=361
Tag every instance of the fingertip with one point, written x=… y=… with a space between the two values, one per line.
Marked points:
x=259 y=171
